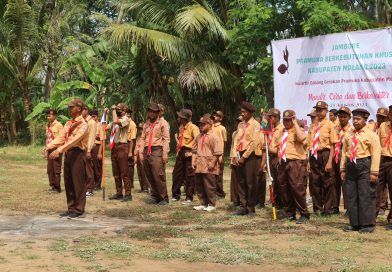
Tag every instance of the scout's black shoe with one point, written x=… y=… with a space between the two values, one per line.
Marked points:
x=163 y=203
x=241 y=212
x=350 y=228
x=152 y=201
x=388 y=227
x=64 y=214
x=116 y=197
x=261 y=206
x=336 y=211
x=74 y=214
x=302 y=220
x=367 y=229
x=127 y=198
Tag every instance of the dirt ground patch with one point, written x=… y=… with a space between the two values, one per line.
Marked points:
x=135 y=236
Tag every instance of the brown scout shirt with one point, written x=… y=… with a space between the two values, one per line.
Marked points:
x=92 y=132
x=221 y=132
x=160 y=136
x=204 y=152
x=121 y=135
x=190 y=133
x=233 y=152
x=383 y=133
x=99 y=134
x=132 y=130
x=56 y=128
x=295 y=150
x=368 y=146
x=249 y=132
x=274 y=134
x=261 y=146
x=78 y=136
x=328 y=136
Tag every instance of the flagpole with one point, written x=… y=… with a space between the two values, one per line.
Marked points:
x=103 y=183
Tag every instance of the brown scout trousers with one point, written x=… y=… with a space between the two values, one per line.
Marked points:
x=154 y=169
x=143 y=181
x=183 y=171
x=247 y=183
x=90 y=175
x=131 y=165
x=292 y=188
x=75 y=179
x=205 y=186
x=323 y=183
x=385 y=179
x=119 y=157
x=338 y=186
x=360 y=193
x=261 y=183
x=219 y=181
x=274 y=163
x=234 y=196
x=54 y=171
x=97 y=167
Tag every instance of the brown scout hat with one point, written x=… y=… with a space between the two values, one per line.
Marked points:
x=206 y=120
x=219 y=113
x=185 y=114
x=273 y=112
x=321 y=105
x=248 y=106
x=312 y=113
x=153 y=107
x=344 y=110
x=382 y=112
x=121 y=107
x=76 y=102
x=361 y=112
x=288 y=114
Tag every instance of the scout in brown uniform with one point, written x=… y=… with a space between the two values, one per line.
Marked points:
x=207 y=149
x=247 y=140
x=274 y=115
x=220 y=130
x=154 y=142
x=385 y=176
x=131 y=135
x=183 y=170
x=261 y=179
x=322 y=141
x=54 y=165
x=234 y=197
x=73 y=141
x=359 y=171
x=333 y=117
x=381 y=117
x=92 y=131
x=119 y=152
x=97 y=163
x=143 y=181
x=290 y=147
x=344 y=115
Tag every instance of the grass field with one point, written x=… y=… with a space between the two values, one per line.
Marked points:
x=170 y=238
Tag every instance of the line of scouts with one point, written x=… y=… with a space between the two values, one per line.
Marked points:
x=334 y=155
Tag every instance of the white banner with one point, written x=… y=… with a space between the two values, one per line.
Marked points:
x=351 y=69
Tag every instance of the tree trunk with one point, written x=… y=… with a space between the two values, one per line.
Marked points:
x=13 y=130
x=48 y=82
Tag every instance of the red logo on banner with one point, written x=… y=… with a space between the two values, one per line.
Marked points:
x=284 y=68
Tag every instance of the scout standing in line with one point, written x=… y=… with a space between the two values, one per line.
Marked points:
x=385 y=176
x=153 y=153
x=344 y=115
x=359 y=171
x=234 y=197
x=119 y=152
x=274 y=115
x=220 y=130
x=382 y=196
x=131 y=145
x=247 y=140
x=144 y=184
x=207 y=149
x=97 y=163
x=333 y=117
x=92 y=131
x=261 y=178
x=183 y=170
x=290 y=146
x=322 y=140
x=73 y=141
x=54 y=165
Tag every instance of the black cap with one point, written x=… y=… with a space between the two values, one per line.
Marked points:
x=248 y=106
x=185 y=114
x=361 y=112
